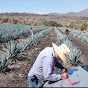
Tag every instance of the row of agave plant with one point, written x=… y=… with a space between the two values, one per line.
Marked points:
x=14 y=31
x=15 y=50
x=77 y=33
x=75 y=55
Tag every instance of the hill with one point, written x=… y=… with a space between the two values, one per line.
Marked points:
x=83 y=13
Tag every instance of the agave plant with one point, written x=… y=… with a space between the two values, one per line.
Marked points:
x=14 y=31
x=15 y=50
x=4 y=61
x=74 y=56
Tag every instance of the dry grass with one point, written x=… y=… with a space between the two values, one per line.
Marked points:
x=36 y=19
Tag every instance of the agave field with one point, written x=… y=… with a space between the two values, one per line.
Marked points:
x=13 y=31
x=17 y=58
x=74 y=56
x=14 y=49
x=78 y=34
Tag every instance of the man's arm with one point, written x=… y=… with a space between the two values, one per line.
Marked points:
x=47 y=70
x=68 y=31
x=58 y=64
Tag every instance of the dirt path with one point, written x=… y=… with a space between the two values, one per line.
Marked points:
x=18 y=75
x=83 y=46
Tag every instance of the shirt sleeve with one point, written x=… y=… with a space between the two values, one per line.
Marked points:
x=58 y=65
x=48 y=64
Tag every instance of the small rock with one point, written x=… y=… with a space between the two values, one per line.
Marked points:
x=20 y=75
x=17 y=85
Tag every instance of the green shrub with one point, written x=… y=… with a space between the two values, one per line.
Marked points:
x=51 y=23
x=83 y=26
x=71 y=25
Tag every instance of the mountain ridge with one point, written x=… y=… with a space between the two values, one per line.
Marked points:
x=80 y=13
x=83 y=13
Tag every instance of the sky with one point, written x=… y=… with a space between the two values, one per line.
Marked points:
x=43 y=6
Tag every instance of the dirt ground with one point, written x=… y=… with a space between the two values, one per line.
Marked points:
x=17 y=76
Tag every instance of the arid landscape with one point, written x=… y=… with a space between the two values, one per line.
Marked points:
x=73 y=20
x=16 y=72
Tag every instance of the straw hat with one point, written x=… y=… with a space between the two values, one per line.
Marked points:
x=61 y=51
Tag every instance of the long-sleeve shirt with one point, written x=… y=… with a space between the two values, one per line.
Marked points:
x=44 y=66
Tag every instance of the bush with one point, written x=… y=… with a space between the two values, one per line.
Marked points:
x=65 y=25
x=71 y=25
x=83 y=26
x=45 y=22
x=51 y=23
x=15 y=21
x=5 y=20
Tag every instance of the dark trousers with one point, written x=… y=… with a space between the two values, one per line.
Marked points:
x=35 y=83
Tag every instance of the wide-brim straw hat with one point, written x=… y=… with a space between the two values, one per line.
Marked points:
x=61 y=51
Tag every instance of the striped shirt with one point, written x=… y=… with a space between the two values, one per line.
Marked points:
x=44 y=66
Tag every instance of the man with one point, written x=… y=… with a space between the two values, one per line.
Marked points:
x=67 y=32
x=84 y=30
x=32 y=30
x=44 y=65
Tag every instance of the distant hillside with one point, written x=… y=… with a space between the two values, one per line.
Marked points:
x=84 y=12
x=18 y=14
x=81 y=13
x=74 y=19
x=54 y=14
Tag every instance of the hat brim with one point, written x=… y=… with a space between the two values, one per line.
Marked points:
x=59 y=53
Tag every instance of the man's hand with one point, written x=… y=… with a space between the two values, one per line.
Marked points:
x=64 y=75
x=64 y=70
